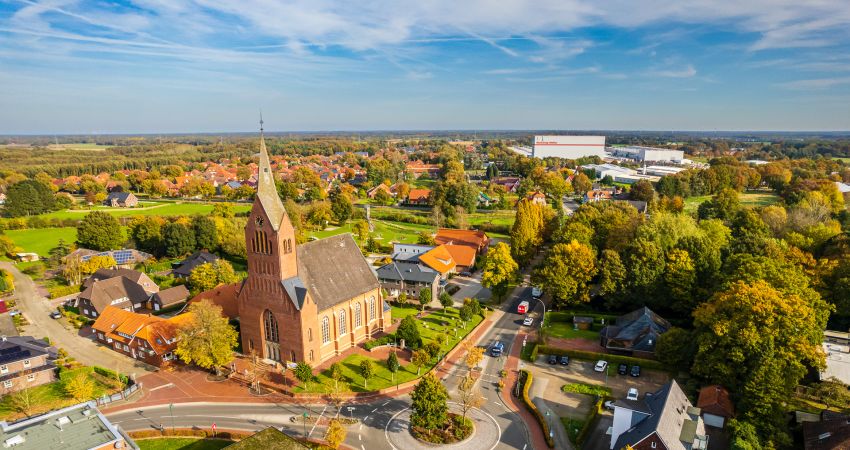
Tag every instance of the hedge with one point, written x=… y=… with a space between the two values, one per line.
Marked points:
x=111 y=374
x=531 y=407
x=589 y=422
x=188 y=432
x=533 y=356
x=62 y=290
x=612 y=359
x=383 y=340
x=587 y=389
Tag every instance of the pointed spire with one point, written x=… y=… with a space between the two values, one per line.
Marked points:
x=266 y=189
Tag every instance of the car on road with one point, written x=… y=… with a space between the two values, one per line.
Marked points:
x=635 y=371
x=466 y=274
x=552 y=359
x=633 y=394
x=55 y=314
x=623 y=369
x=564 y=360
x=536 y=292
x=609 y=405
x=600 y=366
x=497 y=349
x=528 y=321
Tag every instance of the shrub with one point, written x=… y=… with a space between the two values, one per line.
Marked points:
x=531 y=407
x=588 y=389
x=612 y=359
x=111 y=374
x=61 y=291
x=589 y=423
x=383 y=340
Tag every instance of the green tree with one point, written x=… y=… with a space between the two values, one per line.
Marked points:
x=744 y=436
x=642 y=191
x=612 y=273
x=336 y=373
x=336 y=433
x=393 y=364
x=303 y=373
x=99 y=231
x=429 y=403
x=446 y=300
x=566 y=272
x=383 y=197
x=465 y=313
x=425 y=297
x=676 y=348
x=409 y=331
x=206 y=233
x=342 y=207
x=425 y=238
x=28 y=198
x=432 y=349
x=177 y=239
x=679 y=279
x=419 y=359
x=146 y=233
x=207 y=340
x=645 y=261
x=527 y=231
x=724 y=205
x=832 y=392
x=367 y=370
x=499 y=269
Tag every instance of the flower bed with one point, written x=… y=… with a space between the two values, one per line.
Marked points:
x=456 y=429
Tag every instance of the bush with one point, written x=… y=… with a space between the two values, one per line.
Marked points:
x=531 y=407
x=61 y=291
x=383 y=340
x=588 y=389
x=612 y=359
x=111 y=374
x=589 y=423
x=452 y=289
x=533 y=355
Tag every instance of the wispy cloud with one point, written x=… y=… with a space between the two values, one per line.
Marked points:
x=815 y=83
x=687 y=71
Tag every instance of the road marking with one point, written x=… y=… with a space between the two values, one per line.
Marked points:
x=317 y=421
x=359 y=437
x=360 y=427
x=361 y=446
x=161 y=387
x=386 y=403
x=524 y=446
x=373 y=411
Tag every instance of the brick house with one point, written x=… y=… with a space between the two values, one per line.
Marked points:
x=168 y=298
x=476 y=239
x=144 y=337
x=121 y=199
x=419 y=197
x=25 y=362
x=123 y=288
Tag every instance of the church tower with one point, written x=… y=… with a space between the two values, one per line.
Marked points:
x=270 y=321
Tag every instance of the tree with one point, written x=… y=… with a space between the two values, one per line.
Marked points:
x=566 y=272
x=28 y=198
x=80 y=386
x=679 y=279
x=402 y=298
x=642 y=191
x=146 y=233
x=342 y=207
x=206 y=233
x=209 y=275
x=527 y=231
x=96 y=263
x=425 y=297
x=367 y=370
x=425 y=238
x=402 y=190
x=429 y=403
x=612 y=273
x=832 y=392
x=474 y=306
x=304 y=373
x=446 y=300
x=581 y=183
x=99 y=231
x=724 y=205
x=474 y=355
x=177 y=239
x=744 y=436
x=465 y=313
x=336 y=433
x=336 y=374
x=409 y=332
x=393 y=364
x=676 y=348
x=224 y=210
x=432 y=349
x=499 y=269
x=419 y=359
x=207 y=340
x=361 y=230
x=468 y=397
x=25 y=400
x=382 y=197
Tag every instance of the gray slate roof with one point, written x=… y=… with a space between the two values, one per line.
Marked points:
x=405 y=271
x=135 y=276
x=334 y=270
x=641 y=328
x=671 y=416
x=266 y=190
x=102 y=293
x=172 y=295
x=188 y=265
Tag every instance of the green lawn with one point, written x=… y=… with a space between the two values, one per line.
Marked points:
x=573 y=427
x=750 y=199
x=41 y=240
x=385 y=231
x=561 y=325
x=182 y=444
x=158 y=208
x=442 y=322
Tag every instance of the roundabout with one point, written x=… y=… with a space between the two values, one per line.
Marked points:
x=485 y=436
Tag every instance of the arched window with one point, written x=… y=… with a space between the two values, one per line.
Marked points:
x=357 y=321
x=371 y=308
x=292 y=355
x=270 y=326
x=309 y=335
x=311 y=355
x=343 y=324
x=326 y=330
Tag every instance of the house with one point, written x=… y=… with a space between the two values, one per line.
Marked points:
x=634 y=333
x=144 y=337
x=122 y=199
x=124 y=258
x=409 y=252
x=476 y=239
x=484 y=199
x=371 y=193
x=595 y=195
x=440 y=259
x=661 y=420
x=836 y=346
x=140 y=278
x=409 y=278
x=25 y=362
x=829 y=433
x=419 y=197
x=537 y=198
x=79 y=426
x=511 y=184
x=169 y=298
x=463 y=256
x=184 y=268
x=120 y=292
x=269 y=439
x=418 y=168
x=26 y=257
x=716 y=405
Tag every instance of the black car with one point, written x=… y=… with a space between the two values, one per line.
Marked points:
x=564 y=360
x=622 y=369
x=635 y=371
x=552 y=359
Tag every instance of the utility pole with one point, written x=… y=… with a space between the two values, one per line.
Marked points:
x=171 y=409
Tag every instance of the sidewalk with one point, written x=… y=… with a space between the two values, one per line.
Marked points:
x=516 y=404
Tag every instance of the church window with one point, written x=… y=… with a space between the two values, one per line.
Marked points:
x=326 y=331
x=371 y=308
x=357 y=321
x=270 y=326
x=309 y=335
x=343 y=324
x=311 y=355
x=292 y=355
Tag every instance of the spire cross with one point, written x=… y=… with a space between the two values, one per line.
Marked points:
x=261 y=121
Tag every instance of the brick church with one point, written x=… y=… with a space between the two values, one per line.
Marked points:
x=307 y=302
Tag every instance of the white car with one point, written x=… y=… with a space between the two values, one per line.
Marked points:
x=528 y=321
x=632 y=395
x=600 y=366
x=609 y=405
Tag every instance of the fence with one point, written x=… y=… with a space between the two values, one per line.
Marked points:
x=118 y=396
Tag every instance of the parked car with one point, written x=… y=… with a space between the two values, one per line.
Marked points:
x=536 y=292
x=552 y=359
x=609 y=405
x=600 y=366
x=14 y=312
x=633 y=394
x=528 y=321
x=622 y=369
x=564 y=360
x=466 y=274
x=55 y=315
x=635 y=371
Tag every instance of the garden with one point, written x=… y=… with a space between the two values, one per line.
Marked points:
x=560 y=325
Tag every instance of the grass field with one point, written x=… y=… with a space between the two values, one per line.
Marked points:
x=385 y=231
x=557 y=325
x=41 y=240
x=750 y=199
x=53 y=396
x=147 y=209
x=182 y=444
x=440 y=322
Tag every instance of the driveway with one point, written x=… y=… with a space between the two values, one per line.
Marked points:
x=469 y=287
x=36 y=310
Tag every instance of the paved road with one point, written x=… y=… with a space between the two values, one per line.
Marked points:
x=36 y=310
x=570 y=206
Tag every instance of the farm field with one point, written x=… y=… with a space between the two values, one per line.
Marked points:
x=41 y=240
x=750 y=199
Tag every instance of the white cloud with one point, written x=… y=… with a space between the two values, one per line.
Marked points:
x=684 y=72
x=815 y=83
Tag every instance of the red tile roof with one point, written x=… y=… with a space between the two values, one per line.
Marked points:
x=714 y=399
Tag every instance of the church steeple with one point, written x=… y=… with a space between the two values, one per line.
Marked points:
x=266 y=189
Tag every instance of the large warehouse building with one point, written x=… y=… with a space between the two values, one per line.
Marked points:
x=650 y=154
x=569 y=147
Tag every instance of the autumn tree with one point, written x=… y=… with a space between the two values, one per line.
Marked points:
x=429 y=403
x=499 y=269
x=100 y=231
x=209 y=275
x=642 y=191
x=581 y=183
x=419 y=359
x=474 y=355
x=367 y=370
x=361 y=230
x=527 y=231
x=468 y=395
x=679 y=279
x=832 y=392
x=207 y=340
x=335 y=373
x=566 y=272
x=80 y=386
x=612 y=273
x=336 y=434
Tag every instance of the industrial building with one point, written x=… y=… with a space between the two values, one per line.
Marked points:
x=620 y=174
x=568 y=147
x=647 y=154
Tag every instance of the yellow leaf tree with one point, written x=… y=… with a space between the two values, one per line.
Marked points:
x=208 y=339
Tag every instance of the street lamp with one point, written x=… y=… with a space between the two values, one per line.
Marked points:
x=171 y=409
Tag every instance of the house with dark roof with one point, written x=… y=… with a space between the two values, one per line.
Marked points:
x=184 y=268
x=634 y=333
x=661 y=420
x=119 y=291
x=716 y=405
x=140 y=278
x=409 y=278
x=121 y=199
x=169 y=298
x=25 y=362
x=830 y=433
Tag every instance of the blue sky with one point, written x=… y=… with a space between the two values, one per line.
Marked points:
x=161 y=66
